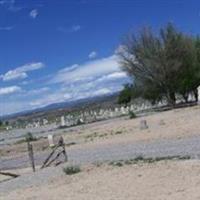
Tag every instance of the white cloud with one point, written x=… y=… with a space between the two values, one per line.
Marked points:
x=38 y=91
x=10 y=90
x=34 y=13
x=10 y=5
x=102 y=91
x=13 y=75
x=74 y=28
x=6 y=28
x=68 y=94
x=92 y=55
x=21 y=72
x=3 y=2
x=55 y=97
x=87 y=71
x=34 y=93
x=112 y=76
x=97 y=77
x=24 y=82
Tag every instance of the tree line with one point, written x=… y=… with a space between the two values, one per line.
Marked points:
x=162 y=65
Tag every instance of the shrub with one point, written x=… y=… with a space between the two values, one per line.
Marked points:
x=132 y=115
x=69 y=170
x=118 y=132
x=117 y=163
x=29 y=137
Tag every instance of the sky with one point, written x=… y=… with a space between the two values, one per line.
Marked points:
x=62 y=50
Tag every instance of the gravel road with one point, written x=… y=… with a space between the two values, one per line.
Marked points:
x=168 y=147
x=181 y=147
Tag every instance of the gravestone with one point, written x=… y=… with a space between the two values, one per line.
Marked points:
x=143 y=124
x=190 y=97
x=51 y=140
x=127 y=109
x=45 y=122
x=81 y=120
x=131 y=108
x=62 y=121
x=116 y=110
x=111 y=114
x=122 y=110
x=198 y=94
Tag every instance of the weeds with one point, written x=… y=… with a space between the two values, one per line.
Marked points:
x=132 y=115
x=30 y=138
x=118 y=132
x=119 y=163
x=141 y=159
x=70 y=170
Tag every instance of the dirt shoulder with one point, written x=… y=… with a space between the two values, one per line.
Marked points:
x=160 y=180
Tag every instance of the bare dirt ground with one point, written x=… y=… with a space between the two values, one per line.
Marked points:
x=157 y=181
x=161 y=180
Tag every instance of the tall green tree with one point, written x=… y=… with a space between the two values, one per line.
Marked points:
x=163 y=64
x=125 y=95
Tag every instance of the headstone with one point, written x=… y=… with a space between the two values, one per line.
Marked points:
x=198 y=94
x=116 y=110
x=51 y=141
x=131 y=108
x=62 y=121
x=143 y=124
x=67 y=122
x=105 y=114
x=45 y=122
x=127 y=110
x=101 y=112
x=122 y=110
x=143 y=107
x=190 y=97
x=111 y=114
x=81 y=120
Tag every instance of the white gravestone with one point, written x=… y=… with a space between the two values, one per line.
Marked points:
x=123 y=110
x=198 y=94
x=132 y=108
x=62 y=121
x=51 y=141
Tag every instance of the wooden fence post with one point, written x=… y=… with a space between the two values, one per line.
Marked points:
x=50 y=159
x=31 y=155
x=62 y=144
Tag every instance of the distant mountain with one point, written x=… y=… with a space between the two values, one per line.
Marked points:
x=56 y=108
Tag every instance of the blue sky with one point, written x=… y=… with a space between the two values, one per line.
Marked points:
x=62 y=50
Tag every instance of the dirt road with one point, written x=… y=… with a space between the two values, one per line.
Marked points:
x=124 y=150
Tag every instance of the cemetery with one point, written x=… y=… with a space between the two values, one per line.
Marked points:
x=88 y=116
x=120 y=140
x=95 y=104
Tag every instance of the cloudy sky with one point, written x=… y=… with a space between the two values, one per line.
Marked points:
x=63 y=50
